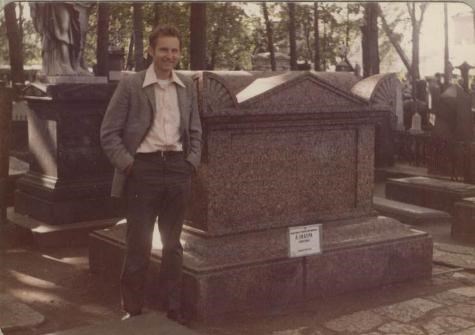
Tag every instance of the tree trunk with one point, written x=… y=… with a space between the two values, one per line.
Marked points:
x=292 y=37
x=138 y=36
x=446 y=48
x=307 y=28
x=198 y=36
x=129 y=65
x=374 y=35
x=324 y=49
x=217 y=36
x=347 y=30
x=20 y=20
x=316 y=20
x=392 y=38
x=156 y=14
x=270 y=37
x=370 y=40
x=416 y=30
x=473 y=14
x=415 y=42
x=102 y=53
x=15 y=45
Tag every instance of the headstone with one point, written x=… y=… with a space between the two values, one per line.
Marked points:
x=410 y=214
x=464 y=71
x=69 y=176
x=412 y=107
x=453 y=135
x=428 y=192
x=273 y=154
x=416 y=124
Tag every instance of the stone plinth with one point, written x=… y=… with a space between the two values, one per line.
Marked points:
x=428 y=192
x=69 y=176
x=284 y=151
x=463 y=227
x=253 y=272
x=410 y=214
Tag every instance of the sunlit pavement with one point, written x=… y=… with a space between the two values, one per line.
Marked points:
x=56 y=284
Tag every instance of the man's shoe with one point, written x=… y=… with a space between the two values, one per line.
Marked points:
x=178 y=317
x=129 y=315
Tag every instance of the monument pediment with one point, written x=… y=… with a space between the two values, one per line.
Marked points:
x=303 y=89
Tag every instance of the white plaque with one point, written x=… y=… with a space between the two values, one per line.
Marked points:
x=305 y=240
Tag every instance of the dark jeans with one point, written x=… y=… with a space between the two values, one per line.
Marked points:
x=157 y=186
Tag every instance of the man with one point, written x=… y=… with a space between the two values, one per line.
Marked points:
x=151 y=132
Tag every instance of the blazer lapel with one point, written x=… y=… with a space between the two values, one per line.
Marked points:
x=150 y=93
x=181 y=94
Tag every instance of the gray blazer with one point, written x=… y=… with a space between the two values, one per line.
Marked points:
x=129 y=116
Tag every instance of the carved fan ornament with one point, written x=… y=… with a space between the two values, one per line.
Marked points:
x=382 y=90
x=217 y=97
x=385 y=91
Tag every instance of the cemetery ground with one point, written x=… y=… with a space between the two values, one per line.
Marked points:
x=51 y=290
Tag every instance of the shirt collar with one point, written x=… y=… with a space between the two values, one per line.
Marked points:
x=151 y=77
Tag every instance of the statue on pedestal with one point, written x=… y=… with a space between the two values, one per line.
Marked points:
x=63 y=28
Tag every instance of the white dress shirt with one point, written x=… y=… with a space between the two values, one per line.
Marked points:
x=164 y=134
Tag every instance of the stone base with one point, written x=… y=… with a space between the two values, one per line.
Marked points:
x=428 y=192
x=57 y=201
x=252 y=271
x=45 y=235
x=463 y=227
x=410 y=214
x=65 y=211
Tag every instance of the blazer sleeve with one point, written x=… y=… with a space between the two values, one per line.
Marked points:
x=195 y=131
x=113 y=125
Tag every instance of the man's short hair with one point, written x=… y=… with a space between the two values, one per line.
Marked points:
x=161 y=31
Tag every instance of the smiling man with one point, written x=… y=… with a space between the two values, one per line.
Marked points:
x=151 y=132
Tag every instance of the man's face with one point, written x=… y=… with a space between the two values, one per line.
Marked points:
x=166 y=55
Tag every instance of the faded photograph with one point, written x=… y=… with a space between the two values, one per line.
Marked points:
x=248 y=168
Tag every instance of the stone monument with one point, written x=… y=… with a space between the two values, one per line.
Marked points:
x=62 y=27
x=287 y=160
x=69 y=177
x=453 y=135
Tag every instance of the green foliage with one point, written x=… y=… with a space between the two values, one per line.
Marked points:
x=229 y=34
x=234 y=34
x=4 y=59
x=31 y=40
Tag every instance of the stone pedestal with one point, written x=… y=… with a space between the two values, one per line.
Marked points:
x=463 y=227
x=69 y=176
x=284 y=152
x=252 y=272
x=428 y=192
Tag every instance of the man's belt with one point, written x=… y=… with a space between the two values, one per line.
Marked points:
x=160 y=153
